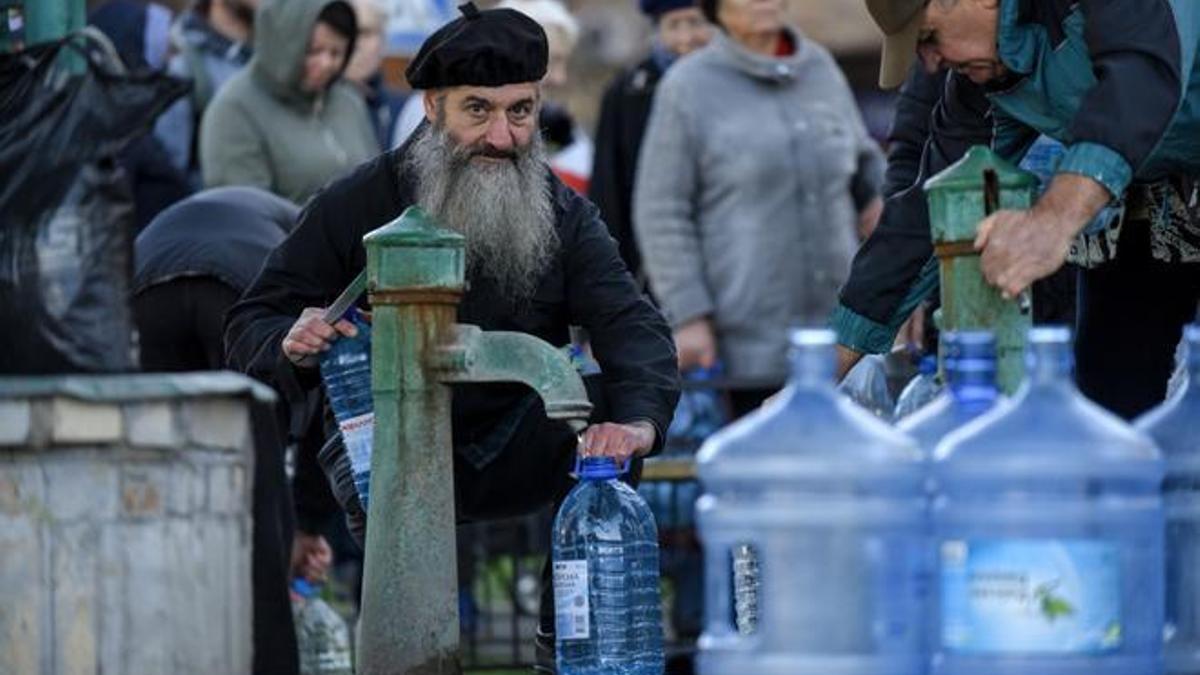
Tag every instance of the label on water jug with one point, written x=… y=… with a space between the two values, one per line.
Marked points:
x=571 y=600
x=1004 y=596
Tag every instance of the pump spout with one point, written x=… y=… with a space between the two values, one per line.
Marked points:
x=473 y=355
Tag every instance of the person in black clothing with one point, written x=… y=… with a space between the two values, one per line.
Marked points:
x=679 y=29
x=190 y=265
x=539 y=260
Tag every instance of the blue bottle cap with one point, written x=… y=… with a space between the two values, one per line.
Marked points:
x=302 y=587
x=598 y=468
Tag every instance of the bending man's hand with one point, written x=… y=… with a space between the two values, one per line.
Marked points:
x=1020 y=247
x=310 y=336
x=618 y=441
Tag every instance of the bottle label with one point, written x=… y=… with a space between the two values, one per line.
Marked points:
x=357 y=434
x=1004 y=596
x=571 y=600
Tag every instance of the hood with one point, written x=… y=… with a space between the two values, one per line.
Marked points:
x=139 y=31
x=772 y=68
x=282 y=29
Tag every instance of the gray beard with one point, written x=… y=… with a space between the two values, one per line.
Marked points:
x=503 y=209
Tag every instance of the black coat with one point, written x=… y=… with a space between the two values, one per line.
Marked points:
x=624 y=112
x=587 y=285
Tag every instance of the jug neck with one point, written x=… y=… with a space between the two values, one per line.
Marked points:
x=1049 y=359
x=813 y=358
x=971 y=369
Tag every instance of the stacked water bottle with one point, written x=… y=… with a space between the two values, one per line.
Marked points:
x=982 y=537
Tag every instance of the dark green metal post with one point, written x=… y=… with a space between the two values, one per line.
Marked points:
x=959 y=199
x=410 y=602
x=415 y=279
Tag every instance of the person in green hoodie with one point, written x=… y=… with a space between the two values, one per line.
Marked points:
x=287 y=123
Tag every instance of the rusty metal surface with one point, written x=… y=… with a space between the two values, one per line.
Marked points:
x=959 y=199
x=410 y=622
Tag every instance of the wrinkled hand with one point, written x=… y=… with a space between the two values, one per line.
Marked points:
x=310 y=336
x=311 y=557
x=1020 y=247
x=618 y=441
x=696 y=345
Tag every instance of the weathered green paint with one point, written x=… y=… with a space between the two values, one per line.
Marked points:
x=409 y=605
x=415 y=274
x=499 y=356
x=957 y=205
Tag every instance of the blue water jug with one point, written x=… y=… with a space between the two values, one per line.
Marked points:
x=1175 y=427
x=608 y=620
x=346 y=372
x=830 y=500
x=922 y=389
x=970 y=391
x=1048 y=534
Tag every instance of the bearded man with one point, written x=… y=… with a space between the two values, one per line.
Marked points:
x=539 y=260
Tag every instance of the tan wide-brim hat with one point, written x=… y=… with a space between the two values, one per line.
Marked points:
x=900 y=21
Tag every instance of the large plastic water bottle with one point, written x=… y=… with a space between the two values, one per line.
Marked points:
x=830 y=500
x=1175 y=426
x=321 y=634
x=608 y=620
x=970 y=391
x=1048 y=527
x=346 y=372
x=920 y=390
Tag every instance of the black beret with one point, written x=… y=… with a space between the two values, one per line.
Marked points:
x=483 y=49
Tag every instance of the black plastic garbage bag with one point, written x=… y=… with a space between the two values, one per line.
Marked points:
x=66 y=212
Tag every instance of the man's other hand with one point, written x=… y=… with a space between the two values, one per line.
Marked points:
x=696 y=344
x=310 y=336
x=311 y=557
x=618 y=441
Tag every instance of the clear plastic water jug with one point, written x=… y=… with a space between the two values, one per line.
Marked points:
x=970 y=391
x=830 y=500
x=608 y=620
x=1048 y=527
x=1175 y=427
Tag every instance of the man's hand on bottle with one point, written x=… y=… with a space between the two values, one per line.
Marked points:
x=618 y=441
x=310 y=336
x=311 y=557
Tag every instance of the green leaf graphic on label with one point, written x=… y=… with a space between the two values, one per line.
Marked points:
x=1053 y=606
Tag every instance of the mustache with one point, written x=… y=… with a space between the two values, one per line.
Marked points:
x=466 y=153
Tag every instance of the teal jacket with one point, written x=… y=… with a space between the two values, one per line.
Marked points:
x=1115 y=81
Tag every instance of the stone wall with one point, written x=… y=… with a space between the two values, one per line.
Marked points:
x=125 y=524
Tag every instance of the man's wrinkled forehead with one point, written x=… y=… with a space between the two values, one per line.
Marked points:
x=504 y=96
